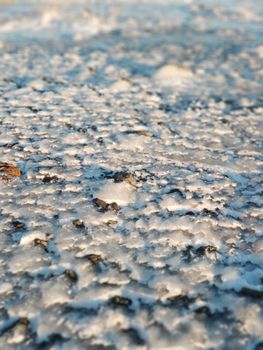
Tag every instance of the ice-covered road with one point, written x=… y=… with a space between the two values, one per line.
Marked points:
x=137 y=220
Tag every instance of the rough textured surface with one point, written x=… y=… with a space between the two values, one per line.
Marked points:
x=136 y=222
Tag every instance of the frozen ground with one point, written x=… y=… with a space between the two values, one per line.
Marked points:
x=137 y=220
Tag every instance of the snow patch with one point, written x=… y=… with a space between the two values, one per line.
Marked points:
x=121 y=193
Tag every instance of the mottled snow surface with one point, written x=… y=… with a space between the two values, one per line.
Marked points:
x=137 y=220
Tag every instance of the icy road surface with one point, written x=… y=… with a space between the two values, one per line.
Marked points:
x=137 y=220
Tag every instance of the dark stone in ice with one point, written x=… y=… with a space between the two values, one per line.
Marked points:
x=18 y=224
x=211 y=213
x=99 y=203
x=103 y=206
x=203 y=310
x=71 y=275
x=120 y=176
x=94 y=258
x=180 y=300
x=49 y=178
x=42 y=243
x=114 y=206
x=119 y=300
x=78 y=223
x=205 y=249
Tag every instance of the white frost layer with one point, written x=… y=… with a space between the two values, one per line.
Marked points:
x=170 y=75
x=75 y=108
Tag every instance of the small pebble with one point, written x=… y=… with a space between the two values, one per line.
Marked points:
x=78 y=223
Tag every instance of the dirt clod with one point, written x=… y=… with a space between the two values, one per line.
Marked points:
x=8 y=171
